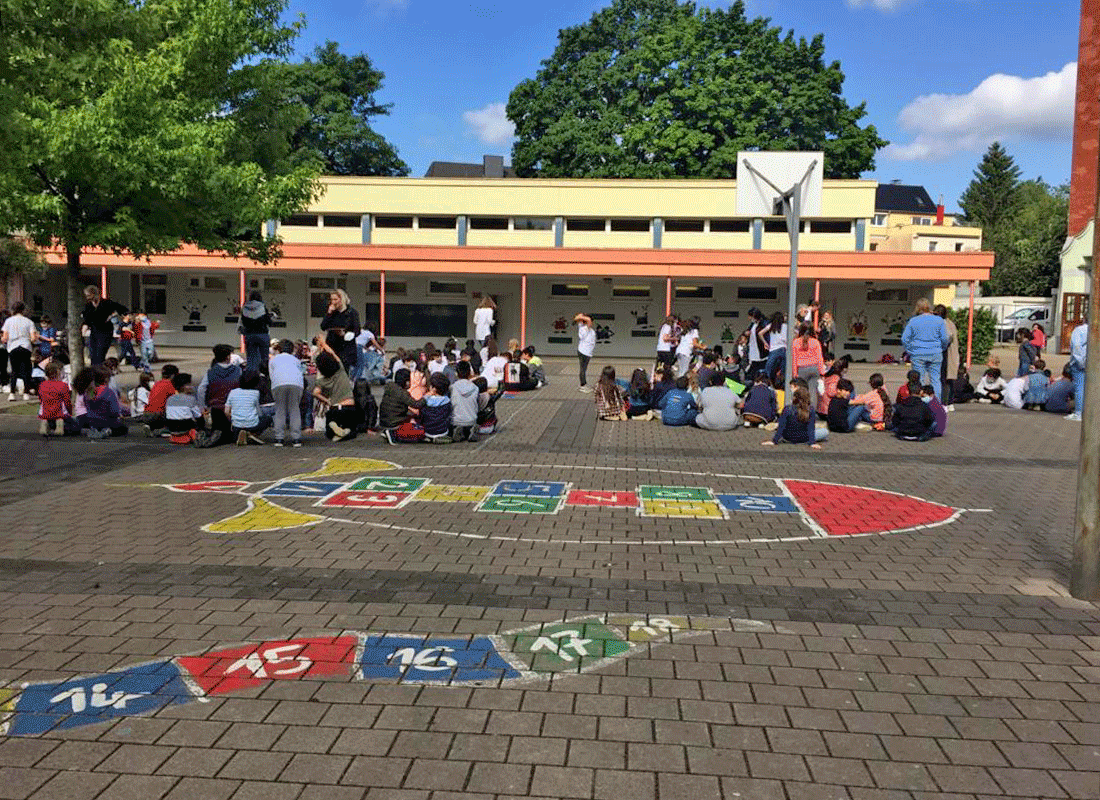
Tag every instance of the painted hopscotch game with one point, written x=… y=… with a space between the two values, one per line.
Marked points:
x=512 y=658
x=722 y=508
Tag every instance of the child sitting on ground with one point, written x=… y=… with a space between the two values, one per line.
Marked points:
x=610 y=402
x=1037 y=385
x=910 y=387
x=718 y=405
x=534 y=364
x=243 y=408
x=663 y=383
x=103 y=418
x=760 y=406
x=678 y=406
x=56 y=406
x=153 y=416
x=397 y=406
x=1060 y=394
x=875 y=407
x=939 y=412
x=464 y=405
x=182 y=415
x=798 y=422
x=840 y=408
x=139 y=395
x=638 y=396
x=487 y=407
x=435 y=416
x=991 y=388
x=333 y=390
x=913 y=420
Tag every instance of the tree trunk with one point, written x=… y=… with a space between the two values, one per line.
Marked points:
x=75 y=308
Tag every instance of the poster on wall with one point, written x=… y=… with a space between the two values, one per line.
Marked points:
x=560 y=331
x=233 y=314
x=642 y=328
x=194 y=311
x=857 y=331
x=603 y=325
x=895 y=326
x=275 y=309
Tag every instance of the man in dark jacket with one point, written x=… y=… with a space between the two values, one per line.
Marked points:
x=913 y=419
x=101 y=329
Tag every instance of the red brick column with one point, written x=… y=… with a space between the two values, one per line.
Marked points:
x=1086 y=120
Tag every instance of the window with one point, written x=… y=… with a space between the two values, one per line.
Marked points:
x=932 y=247
x=922 y=220
x=301 y=220
x=214 y=284
x=684 y=225
x=731 y=226
x=532 y=224
x=831 y=226
x=958 y=247
x=584 y=224
x=694 y=292
x=149 y=293
x=446 y=287
x=630 y=291
x=275 y=285
x=420 y=319
x=569 y=290
x=888 y=295
x=342 y=220
x=392 y=287
x=757 y=293
x=880 y=219
x=774 y=226
x=630 y=225
x=328 y=283
x=393 y=222
x=489 y=223
x=437 y=223
x=874 y=246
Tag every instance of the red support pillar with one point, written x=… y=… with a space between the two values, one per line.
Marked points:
x=523 y=312
x=668 y=296
x=241 y=303
x=817 y=299
x=382 y=303
x=103 y=281
x=970 y=326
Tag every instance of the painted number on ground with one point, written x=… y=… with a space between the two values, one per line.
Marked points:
x=415 y=659
x=586 y=497
x=520 y=505
x=302 y=489
x=530 y=489
x=372 y=483
x=439 y=493
x=366 y=499
x=681 y=508
x=566 y=647
x=674 y=493
x=764 y=504
x=236 y=668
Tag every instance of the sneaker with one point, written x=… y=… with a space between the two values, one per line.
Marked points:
x=388 y=434
x=255 y=439
x=26 y=397
x=242 y=438
x=1074 y=417
x=296 y=444
x=771 y=426
x=341 y=433
x=585 y=389
x=148 y=431
x=278 y=442
x=950 y=407
x=44 y=427
x=748 y=424
x=12 y=398
x=984 y=400
x=863 y=427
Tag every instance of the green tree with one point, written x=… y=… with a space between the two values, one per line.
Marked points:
x=118 y=133
x=993 y=194
x=1029 y=242
x=985 y=333
x=317 y=111
x=17 y=258
x=660 y=88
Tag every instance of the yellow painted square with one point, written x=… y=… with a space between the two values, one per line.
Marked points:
x=439 y=493
x=681 y=508
x=7 y=699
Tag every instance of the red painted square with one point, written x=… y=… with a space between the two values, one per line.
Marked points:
x=585 y=497
x=209 y=486
x=358 y=499
x=221 y=671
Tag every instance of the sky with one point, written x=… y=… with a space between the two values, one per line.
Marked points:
x=942 y=79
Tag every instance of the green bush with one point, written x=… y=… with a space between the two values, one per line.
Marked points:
x=985 y=333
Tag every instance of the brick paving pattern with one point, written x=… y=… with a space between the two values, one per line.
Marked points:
x=553 y=626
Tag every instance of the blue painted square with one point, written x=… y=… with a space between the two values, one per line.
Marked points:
x=416 y=659
x=530 y=489
x=85 y=701
x=760 y=503
x=302 y=489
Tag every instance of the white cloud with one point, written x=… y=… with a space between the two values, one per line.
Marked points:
x=880 y=5
x=490 y=124
x=1001 y=107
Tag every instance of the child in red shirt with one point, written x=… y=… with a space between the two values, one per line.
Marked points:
x=56 y=405
x=1038 y=337
x=153 y=417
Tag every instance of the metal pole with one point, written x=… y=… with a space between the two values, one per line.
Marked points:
x=103 y=281
x=794 y=221
x=242 y=305
x=382 y=303
x=523 y=312
x=970 y=326
x=1084 y=582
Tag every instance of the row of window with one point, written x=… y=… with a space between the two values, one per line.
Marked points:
x=581 y=224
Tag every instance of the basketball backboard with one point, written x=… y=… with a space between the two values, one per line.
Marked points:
x=755 y=198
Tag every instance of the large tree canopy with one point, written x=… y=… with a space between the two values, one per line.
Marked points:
x=317 y=111
x=660 y=88
x=116 y=134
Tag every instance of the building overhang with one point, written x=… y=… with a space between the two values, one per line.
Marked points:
x=894 y=266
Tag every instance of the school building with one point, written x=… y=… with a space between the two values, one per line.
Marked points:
x=417 y=254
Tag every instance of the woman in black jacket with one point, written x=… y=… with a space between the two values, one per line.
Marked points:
x=254 y=327
x=341 y=326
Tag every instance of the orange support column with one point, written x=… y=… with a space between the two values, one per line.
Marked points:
x=523 y=312
x=668 y=296
x=241 y=311
x=970 y=326
x=817 y=299
x=103 y=281
x=382 y=303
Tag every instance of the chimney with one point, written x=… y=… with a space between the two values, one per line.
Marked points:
x=939 y=211
x=493 y=166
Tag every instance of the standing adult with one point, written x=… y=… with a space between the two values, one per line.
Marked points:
x=341 y=326
x=484 y=319
x=18 y=336
x=255 y=327
x=666 y=344
x=826 y=333
x=949 y=369
x=98 y=313
x=586 y=346
x=776 y=331
x=686 y=348
x=925 y=338
x=757 y=355
x=1078 y=352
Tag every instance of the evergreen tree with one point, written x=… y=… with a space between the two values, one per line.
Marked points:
x=994 y=192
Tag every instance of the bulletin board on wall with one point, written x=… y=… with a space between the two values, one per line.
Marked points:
x=419 y=319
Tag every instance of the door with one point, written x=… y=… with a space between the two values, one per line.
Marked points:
x=1074 y=308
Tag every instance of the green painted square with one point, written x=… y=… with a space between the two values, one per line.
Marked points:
x=385 y=483
x=520 y=505
x=674 y=493
x=566 y=648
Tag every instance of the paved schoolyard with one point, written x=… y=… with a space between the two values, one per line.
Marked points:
x=565 y=610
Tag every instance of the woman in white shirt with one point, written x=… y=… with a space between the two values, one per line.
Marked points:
x=484 y=318
x=586 y=346
x=666 y=342
x=776 y=331
x=18 y=336
x=495 y=364
x=686 y=348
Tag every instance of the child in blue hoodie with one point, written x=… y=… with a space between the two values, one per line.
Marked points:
x=678 y=406
x=435 y=416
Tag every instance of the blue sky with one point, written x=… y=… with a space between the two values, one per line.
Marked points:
x=941 y=78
